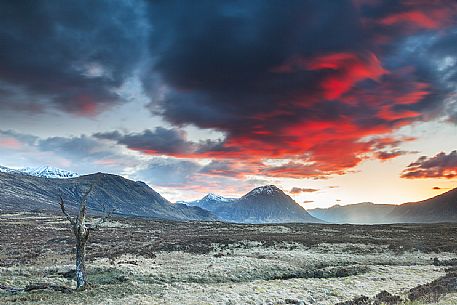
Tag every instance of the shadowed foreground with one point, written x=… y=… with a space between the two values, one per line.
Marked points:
x=137 y=261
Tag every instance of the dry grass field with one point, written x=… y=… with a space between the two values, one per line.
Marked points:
x=138 y=261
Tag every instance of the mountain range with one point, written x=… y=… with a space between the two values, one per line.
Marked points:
x=22 y=192
x=42 y=171
x=441 y=208
x=265 y=204
x=258 y=206
x=38 y=189
x=359 y=213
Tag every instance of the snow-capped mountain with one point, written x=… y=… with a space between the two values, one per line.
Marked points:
x=49 y=172
x=266 y=189
x=211 y=202
x=264 y=204
x=214 y=197
x=268 y=204
x=4 y=169
x=41 y=171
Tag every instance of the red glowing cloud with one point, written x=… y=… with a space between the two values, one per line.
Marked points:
x=325 y=97
x=348 y=70
x=342 y=70
x=428 y=20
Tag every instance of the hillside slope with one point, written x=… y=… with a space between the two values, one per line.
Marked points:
x=19 y=192
x=441 y=208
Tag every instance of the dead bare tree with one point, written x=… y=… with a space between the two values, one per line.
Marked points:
x=81 y=231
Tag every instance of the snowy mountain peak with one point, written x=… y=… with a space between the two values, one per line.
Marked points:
x=4 y=169
x=214 y=197
x=48 y=172
x=266 y=189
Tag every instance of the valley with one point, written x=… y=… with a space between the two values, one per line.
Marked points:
x=143 y=261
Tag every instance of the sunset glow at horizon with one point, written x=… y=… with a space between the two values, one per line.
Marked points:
x=335 y=102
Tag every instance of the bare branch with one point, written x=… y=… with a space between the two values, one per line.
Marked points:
x=83 y=204
x=62 y=207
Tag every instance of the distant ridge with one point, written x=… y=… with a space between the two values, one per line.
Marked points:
x=38 y=189
x=359 y=213
x=441 y=208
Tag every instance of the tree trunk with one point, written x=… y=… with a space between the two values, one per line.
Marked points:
x=81 y=277
x=82 y=235
x=81 y=232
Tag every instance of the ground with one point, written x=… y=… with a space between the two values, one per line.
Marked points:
x=138 y=261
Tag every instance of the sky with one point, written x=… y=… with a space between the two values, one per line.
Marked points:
x=335 y=102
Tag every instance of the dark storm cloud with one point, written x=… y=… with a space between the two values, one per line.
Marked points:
x=69 y=55
x=386 y=155
x=160 y=140
x=223 y=61
x=169 y=141
x=284 y=78
x=222 y=64
x=302 y=81
x=441 y=165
